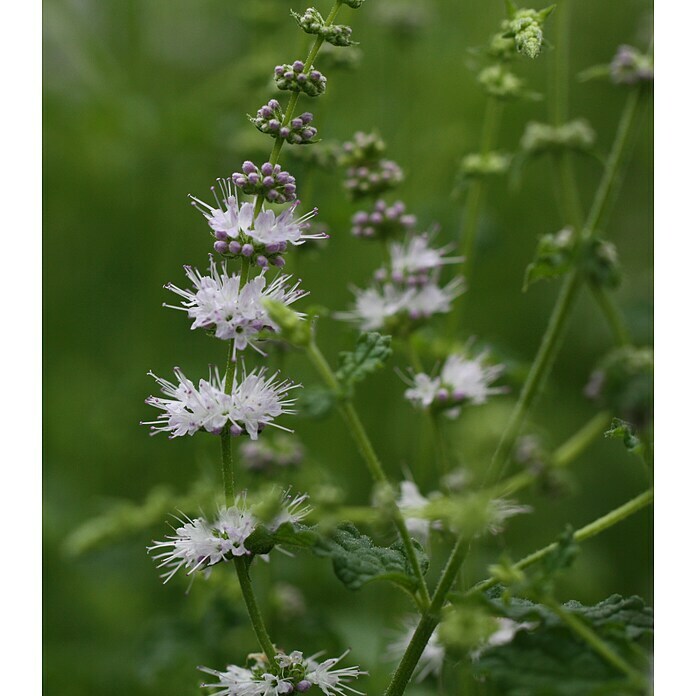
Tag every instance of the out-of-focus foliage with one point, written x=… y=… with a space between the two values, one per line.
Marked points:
x=146 y=101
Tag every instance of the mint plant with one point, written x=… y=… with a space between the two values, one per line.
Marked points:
x=508 y=629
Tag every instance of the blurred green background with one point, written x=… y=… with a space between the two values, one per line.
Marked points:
x=146 y=101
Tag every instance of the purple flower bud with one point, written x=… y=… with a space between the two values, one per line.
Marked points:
x=290 y=189
x=282 y=246
x=274 y=124
x=298 y=65
x=376 y=218
x=265 y=112
x=301 y=78
x=272 y=195
x=284 y=132
x=398 y=277
x=289 y=75
x=235 y=430
x=279 y=70
x=278 y=261
x=273 y=248
x=235 y=247
x=442 y=395
x=268 y=181
x=283 y=178
x=306 y=117
x=274 y=104
x=304 y=686
x=399 y=207
x=361 y=217
x=239 y=179
x=262 y=261
x=248 y=167
x=309 y=133
x=315 y=75
x=253 y=178
x=247 y=250
x=266 y=169
x=408 y=220
x=221 y=235
x=296 y=123
x=220 y=247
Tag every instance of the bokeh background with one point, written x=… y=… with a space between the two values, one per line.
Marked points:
x=146 y=101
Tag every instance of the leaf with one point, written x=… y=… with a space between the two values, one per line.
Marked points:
x=262 y=540
x=371 y=353
x=549 y=659
x=553 y=257
x=625 y=431
x=315 y=402
x=357 y=561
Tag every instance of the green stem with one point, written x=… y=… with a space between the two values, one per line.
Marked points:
x=564 y=454
x=428 y=621
x=599 y=525
x=361 y=439
x=241 y=564
x=475 y=194
x=295 y=96
x=583 y=631
x=550 y=344
x=611 y=314
x=578 y=443
x=431 y=618
x=567 y=297
x=559 y=84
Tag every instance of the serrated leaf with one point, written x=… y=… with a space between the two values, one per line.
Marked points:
x=358 y=561
x=550 y=659
x=370 y=354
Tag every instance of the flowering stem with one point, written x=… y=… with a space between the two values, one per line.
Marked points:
x=431 y=617
x=567 y=297
x=428 y=621
x=582 y=630
x=295 y=96
x=241 y=564
x=357 y=430
x=599 y=525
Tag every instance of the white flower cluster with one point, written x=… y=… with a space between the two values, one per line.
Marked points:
x=252 y=403
x=199 y=544
x=462 y=380
x=219 y=302
x=291 y=673
x=231 y=221
x=407 y=289
x=411 y=502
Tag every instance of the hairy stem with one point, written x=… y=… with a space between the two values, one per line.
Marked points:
x=374 y=465
x=599 y=525
x=567 y=297
x=241 y=564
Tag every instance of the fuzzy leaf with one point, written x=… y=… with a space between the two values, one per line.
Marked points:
x=370 y=354
x=357 y=561
x=549 y=659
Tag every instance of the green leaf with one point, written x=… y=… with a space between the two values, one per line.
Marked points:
x=371 y=353
x=315 y=402
x=625 y=431
x=262 y=540
x=553 y=258
x=357 y=561
x=549 y=659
